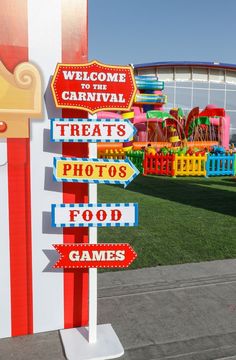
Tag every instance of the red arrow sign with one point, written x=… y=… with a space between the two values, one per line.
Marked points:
x=75 y=256
x=93 y=86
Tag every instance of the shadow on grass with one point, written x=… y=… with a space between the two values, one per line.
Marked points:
x=192 y=192
x=231 y=181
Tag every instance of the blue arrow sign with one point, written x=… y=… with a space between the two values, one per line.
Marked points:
x=92 y=130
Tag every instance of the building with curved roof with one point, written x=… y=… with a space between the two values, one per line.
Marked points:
x=189 y=84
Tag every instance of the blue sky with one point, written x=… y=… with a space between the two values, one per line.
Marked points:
x=139 y=31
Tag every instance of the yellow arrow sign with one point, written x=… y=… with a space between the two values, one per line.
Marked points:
x=106 y=171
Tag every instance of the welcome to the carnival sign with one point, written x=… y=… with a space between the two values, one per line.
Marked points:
x=93 y=86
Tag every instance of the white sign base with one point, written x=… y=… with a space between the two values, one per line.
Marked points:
x=77 y=346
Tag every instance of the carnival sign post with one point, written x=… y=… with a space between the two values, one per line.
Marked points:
x=93 y=87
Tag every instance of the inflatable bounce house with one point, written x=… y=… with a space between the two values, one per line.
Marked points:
x=173 y=133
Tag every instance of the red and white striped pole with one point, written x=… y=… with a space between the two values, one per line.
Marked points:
x=16 y=281
x=75 y=50
x=32 y=298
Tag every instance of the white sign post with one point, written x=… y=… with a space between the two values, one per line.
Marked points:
x=115 y=93
x=93 y=272
x=97 y=341
x=103 y=336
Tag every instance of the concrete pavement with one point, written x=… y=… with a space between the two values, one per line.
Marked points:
x=182 y=312
x=173 y=312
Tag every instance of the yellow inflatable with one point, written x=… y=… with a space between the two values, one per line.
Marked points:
x=150 y=150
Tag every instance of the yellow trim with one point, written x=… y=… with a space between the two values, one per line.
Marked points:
x=20 y=91
x=127 y=148
x=128 y=115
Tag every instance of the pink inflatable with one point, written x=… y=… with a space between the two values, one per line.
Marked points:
x=108 y=115
x=223 y=124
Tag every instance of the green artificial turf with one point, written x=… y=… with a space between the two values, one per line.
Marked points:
x=180 y=220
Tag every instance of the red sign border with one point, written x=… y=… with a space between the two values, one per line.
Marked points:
x=88 y=265
x=85 y=108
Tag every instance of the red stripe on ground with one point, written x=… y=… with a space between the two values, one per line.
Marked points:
x=75 y=50
x=14 y=50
